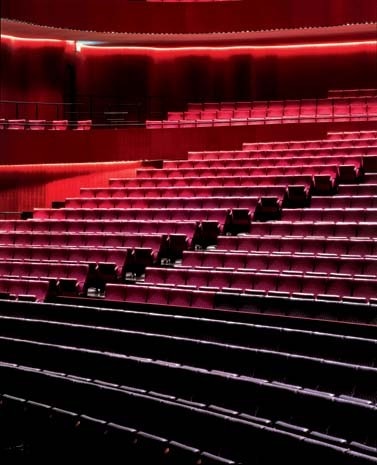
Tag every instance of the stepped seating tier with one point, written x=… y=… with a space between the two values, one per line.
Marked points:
x=302 y=209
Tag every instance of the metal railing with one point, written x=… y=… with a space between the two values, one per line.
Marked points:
x=112 y=111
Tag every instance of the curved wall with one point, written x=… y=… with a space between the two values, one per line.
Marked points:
x=177 y=76
x=166 y=79
x=244 y=15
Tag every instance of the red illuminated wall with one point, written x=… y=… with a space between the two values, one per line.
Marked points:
x=36 y=71
x=42 y=184
x=131 y=16
x=54 y=72
x=225 y=75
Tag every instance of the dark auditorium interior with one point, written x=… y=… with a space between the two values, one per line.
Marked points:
x=188 y=232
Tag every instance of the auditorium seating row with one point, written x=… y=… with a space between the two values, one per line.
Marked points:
x=221 y=177
x=327 y=111
x=351 y=135
x=253 y=199
x=162 y=212
x=285 y=155
x=296 y=222
x=196 y=230
x=95 y=257
x=283 y=284
x=322 y=183
x=344 y=201
x=41 y=124
x=241 y=171
x=152 y=294
x=270 y=166
x=179 y=197
x=309 y=226
x=105 y=264
x=213 y=181
x=290 y=244
x=263 y=175
x=330 y=214
x=330 y=143
x=276 y=262
x=227 y=178
x=357 y=189
x=66 y=277
x=34 y=290
x=145 y=226
x=203 y=285
x=203 y=184
x=76 y=239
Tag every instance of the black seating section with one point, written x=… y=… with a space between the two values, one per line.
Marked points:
x=110 y=375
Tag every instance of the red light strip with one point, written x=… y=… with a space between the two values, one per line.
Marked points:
x=30 y=39
x=83 y=45
x=232 y=47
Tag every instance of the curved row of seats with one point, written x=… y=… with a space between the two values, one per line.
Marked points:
x=370 y=96
x=295 y=263
x=271 y=282
x=95 y=226
x=67 y=277
x=193 y=196
x=272 y=174
x=345 y=201
x=211 y=114
x=42 y=124
x=260 y=120
x=272 y=159
x=35 y=290
x=310 y=222
x=353 y=215
x=305 y=244
x=161 y=212
x=351 y=135
x=310 y=226
x=31 y=238
x=230 y=177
